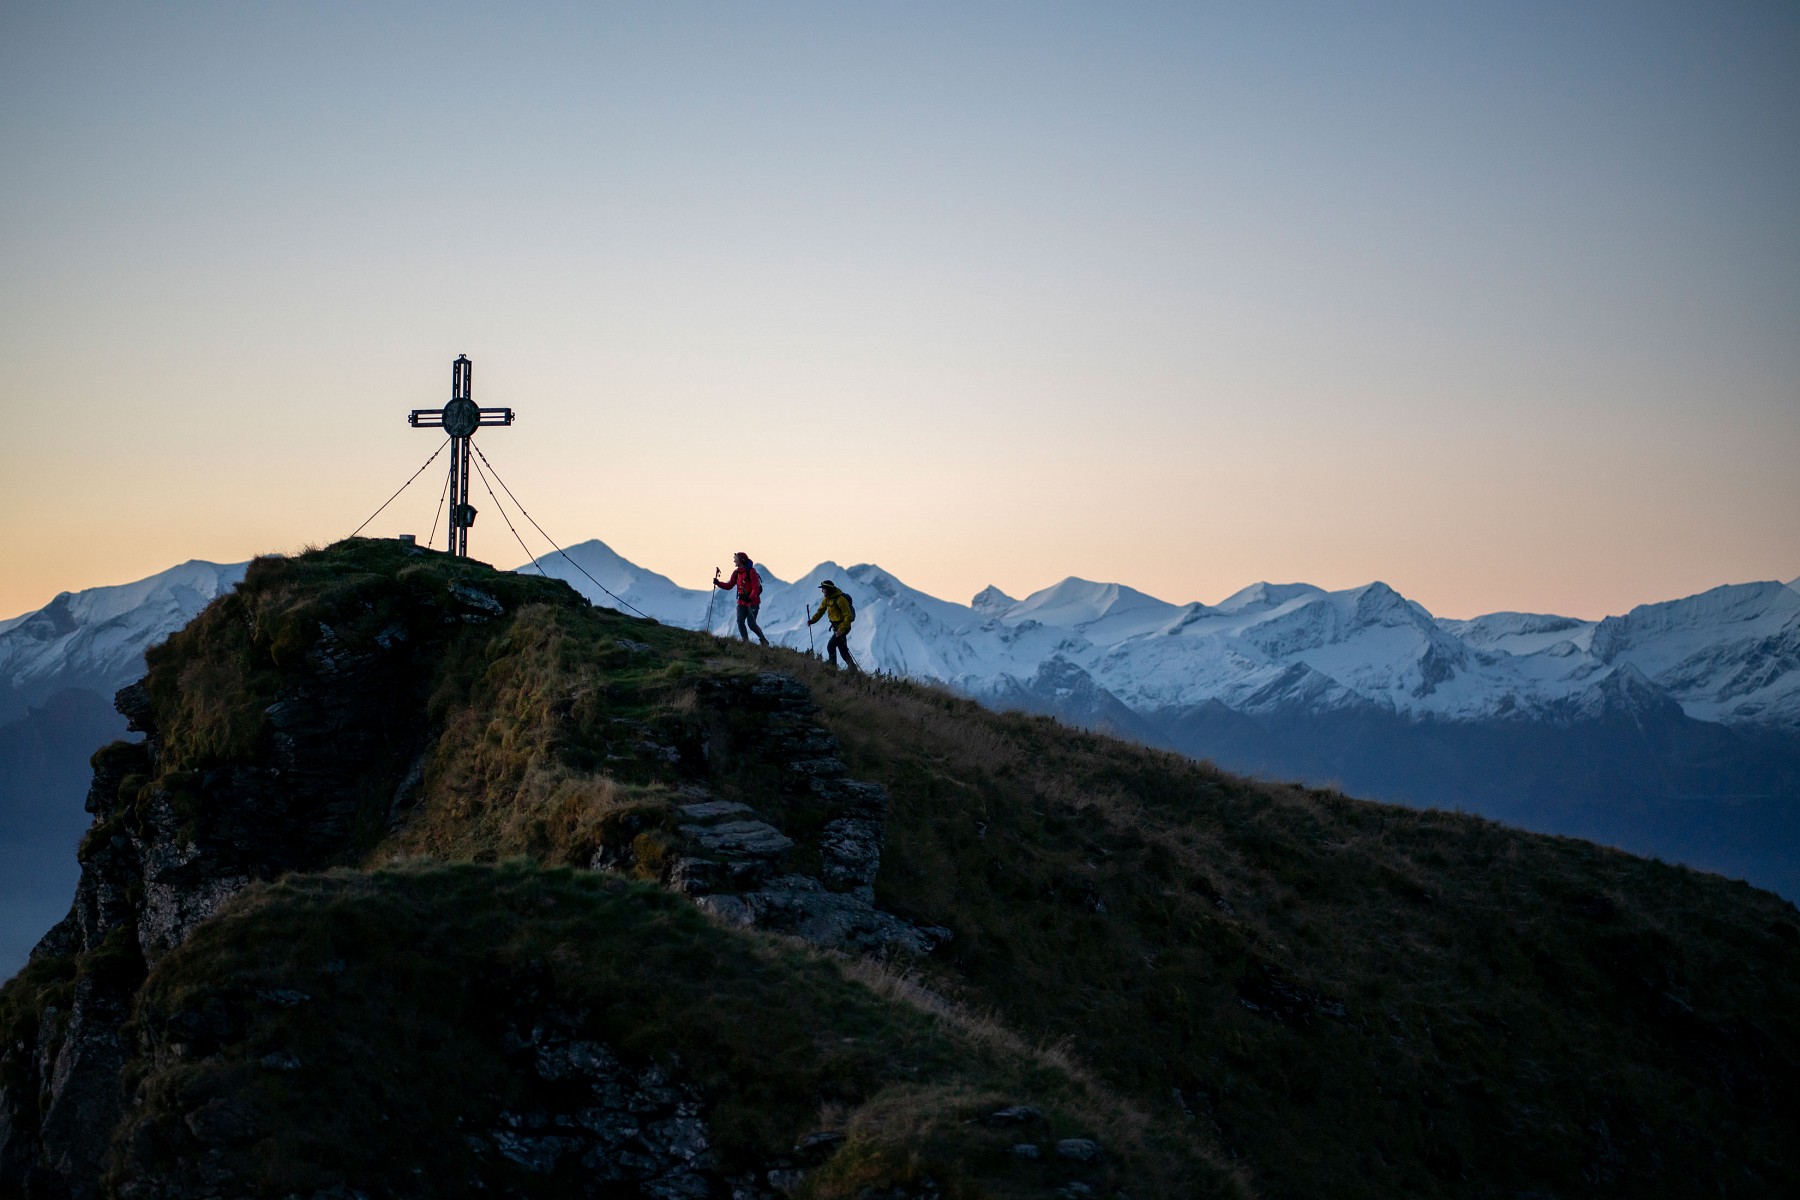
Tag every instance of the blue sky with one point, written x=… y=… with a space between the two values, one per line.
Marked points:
x=1500 y=304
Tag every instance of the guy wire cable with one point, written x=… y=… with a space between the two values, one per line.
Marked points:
x=403 y=487
x=527 y=515
x=501 y=508
x=442 y=496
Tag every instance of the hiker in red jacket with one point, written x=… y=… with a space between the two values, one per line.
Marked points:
x=749 y=587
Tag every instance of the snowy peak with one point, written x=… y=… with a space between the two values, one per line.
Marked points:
x=1624 y=692
x=1379 y=604
x=873 y=578
x=990 y=601
x=897 y=595
x=95 y=606
x=819 y=574
x=48 y=623
x=97 y=638
x=1746 y=607
x=1064 y=690
x=607 y=578
x=1261 y=597
x=1104 y=613
x=602 y=562
x=1318 y=619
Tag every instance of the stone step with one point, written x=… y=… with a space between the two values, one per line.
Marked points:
x=708 y=811
x=745 y=839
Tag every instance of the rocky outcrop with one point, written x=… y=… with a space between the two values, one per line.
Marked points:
x=338 y=752
x=738 y=866
x=81 y=1072
x=592 y=1121
x=169 y=847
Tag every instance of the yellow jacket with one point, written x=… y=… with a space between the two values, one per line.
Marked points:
x=836 y=606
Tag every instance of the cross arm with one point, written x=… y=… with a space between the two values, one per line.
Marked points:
x=433 y=418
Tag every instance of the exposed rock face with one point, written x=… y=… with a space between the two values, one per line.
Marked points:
x=191 y=840
x=593 y=1121
x=81 y=1070
x=612 y=1126
x=168 y=848
x=742 y=869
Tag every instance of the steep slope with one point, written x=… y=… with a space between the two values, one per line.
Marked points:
x=268 y=982
x=291 y=896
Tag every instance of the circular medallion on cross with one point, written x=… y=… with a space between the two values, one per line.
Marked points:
x=461 y=417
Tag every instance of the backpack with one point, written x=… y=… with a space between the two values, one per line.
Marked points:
x=849 y=606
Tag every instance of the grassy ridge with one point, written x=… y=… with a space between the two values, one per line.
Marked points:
x=1364 y=1000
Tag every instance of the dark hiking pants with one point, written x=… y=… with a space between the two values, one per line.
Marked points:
x=839 y=644
x=747 y=616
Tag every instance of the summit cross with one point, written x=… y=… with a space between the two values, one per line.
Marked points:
x=460 y=419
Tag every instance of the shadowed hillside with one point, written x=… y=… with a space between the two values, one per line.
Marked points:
x=430 y=880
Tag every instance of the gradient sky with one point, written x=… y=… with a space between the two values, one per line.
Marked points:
x=1497 y=303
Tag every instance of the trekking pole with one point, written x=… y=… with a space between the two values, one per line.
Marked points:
x=712 y=593
x=810 y=652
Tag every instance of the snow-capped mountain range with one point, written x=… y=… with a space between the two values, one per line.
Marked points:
x=1730 y=655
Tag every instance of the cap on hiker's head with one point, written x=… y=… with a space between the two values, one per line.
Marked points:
x=827 y=586
x=741 y=556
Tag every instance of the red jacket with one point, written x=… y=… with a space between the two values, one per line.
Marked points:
x=747 y=582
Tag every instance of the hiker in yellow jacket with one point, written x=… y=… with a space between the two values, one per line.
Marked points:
x=836 y=605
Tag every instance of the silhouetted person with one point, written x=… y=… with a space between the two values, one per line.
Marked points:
x=836 y=605
x=749 y=588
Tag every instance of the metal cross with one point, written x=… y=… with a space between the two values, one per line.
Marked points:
x=460 y=419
